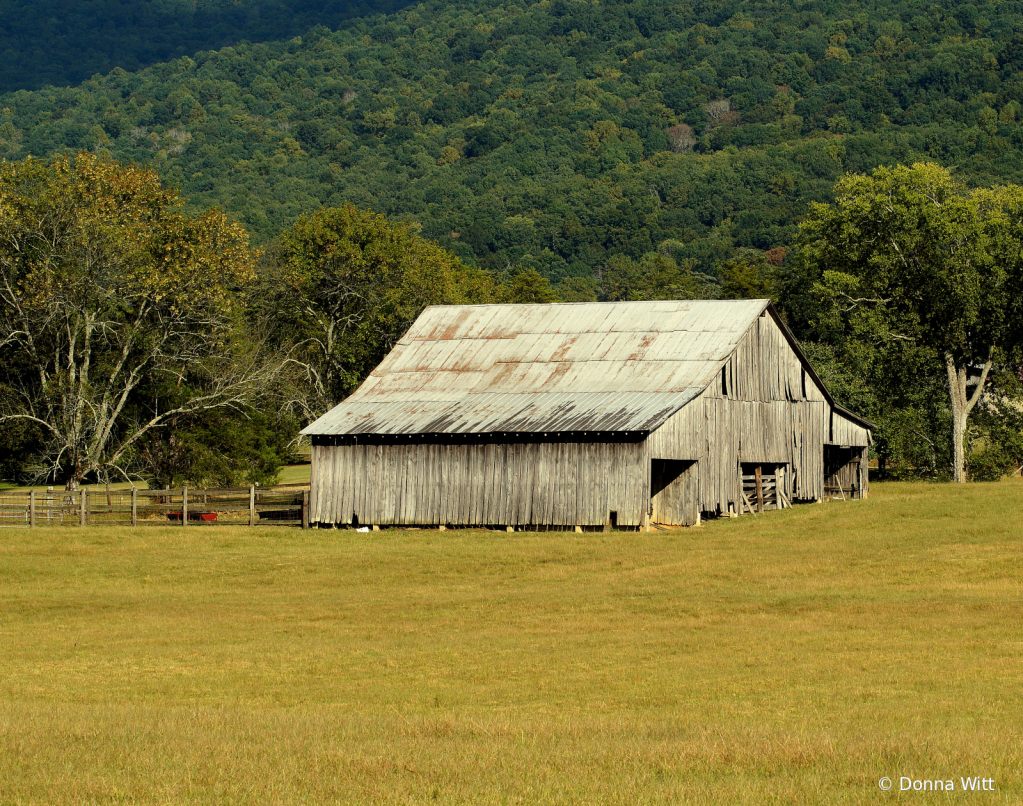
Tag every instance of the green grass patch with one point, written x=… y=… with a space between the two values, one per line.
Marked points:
x=792 y=657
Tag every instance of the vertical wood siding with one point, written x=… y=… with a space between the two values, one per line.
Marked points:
x=846 y=432
x=487 y=484
x=761 y=408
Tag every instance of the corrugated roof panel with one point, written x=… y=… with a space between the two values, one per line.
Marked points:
x=645 y=317
x=434 y=322
x=697 y=346
x=390 y=360
x=581 y=377
x=479 y=325
x=587 y=347
x=432 y=385
x=513 y=413
x=671 y=305
x=566 y=412
x=468 y=353
x=722 y=315
x=420 y=356
x=622 y=366
x=527 y=347
x=445 y=322
x=473 y=355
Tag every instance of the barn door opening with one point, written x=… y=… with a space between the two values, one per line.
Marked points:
x=843 y=475
x=674 y=497
x=763 y=487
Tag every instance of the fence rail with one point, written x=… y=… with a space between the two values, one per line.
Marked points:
x=280 y=505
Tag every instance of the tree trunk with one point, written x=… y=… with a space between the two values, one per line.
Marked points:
x=962 y=405
x=958 y=442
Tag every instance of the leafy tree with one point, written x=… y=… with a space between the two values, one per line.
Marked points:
x=19 y=443
x=47 y=42
x=529 y=287
x=655 y=276
x=107 y=289
x=578 y=289
x=344 y=284
x=586 y=132
x=910 y=255
x=219 y=448
x=995 y=437
x=647 y=123
x=749 y=276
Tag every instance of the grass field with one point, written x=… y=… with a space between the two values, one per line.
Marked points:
x=795 y=657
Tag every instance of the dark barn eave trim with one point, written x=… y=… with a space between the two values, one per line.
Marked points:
x=491 y=438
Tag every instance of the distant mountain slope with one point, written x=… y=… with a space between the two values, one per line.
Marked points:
x=60 y=43
x=554 y=134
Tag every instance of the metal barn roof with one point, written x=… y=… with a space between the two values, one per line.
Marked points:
x=591 y=366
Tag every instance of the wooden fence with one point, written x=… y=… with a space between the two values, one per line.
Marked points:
x=280 y=505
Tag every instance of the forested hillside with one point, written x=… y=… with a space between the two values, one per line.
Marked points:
x=553 y=135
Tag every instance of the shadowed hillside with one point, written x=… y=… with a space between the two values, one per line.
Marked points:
x=59 y=42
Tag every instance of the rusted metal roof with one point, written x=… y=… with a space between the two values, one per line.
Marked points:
x=591 y=366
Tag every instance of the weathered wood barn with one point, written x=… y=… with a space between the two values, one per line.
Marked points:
x=584 y=415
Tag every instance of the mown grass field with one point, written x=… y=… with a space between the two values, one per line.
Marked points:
x=795 y=657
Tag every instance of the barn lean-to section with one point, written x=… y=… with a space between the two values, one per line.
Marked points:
x=584 y=415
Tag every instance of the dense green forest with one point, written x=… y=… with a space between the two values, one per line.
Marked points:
x=554 y=135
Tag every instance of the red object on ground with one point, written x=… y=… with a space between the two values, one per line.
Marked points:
x=193 y=516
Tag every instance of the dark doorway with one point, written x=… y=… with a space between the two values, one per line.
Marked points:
x=845 y=471
x=674 y=497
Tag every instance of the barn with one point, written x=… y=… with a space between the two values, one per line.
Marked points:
x=586 y=415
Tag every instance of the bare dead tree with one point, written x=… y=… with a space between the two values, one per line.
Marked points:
x=719 y=112
x=681 y=138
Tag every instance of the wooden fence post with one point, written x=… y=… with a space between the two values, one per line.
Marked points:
x=134 y=507
x=760 y=490
x=305 y=509
x=31 y=509
x=252 y=505
x=83 y=505
x=184 y=506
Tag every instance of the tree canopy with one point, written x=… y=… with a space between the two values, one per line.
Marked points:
x=912 y=261
x=344 y=284
x=627 y=150
x=52 y=42
x=118 y=312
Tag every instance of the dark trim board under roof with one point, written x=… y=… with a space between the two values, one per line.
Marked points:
x=495 y=437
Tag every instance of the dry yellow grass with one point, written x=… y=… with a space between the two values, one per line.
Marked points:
x=795 y=657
